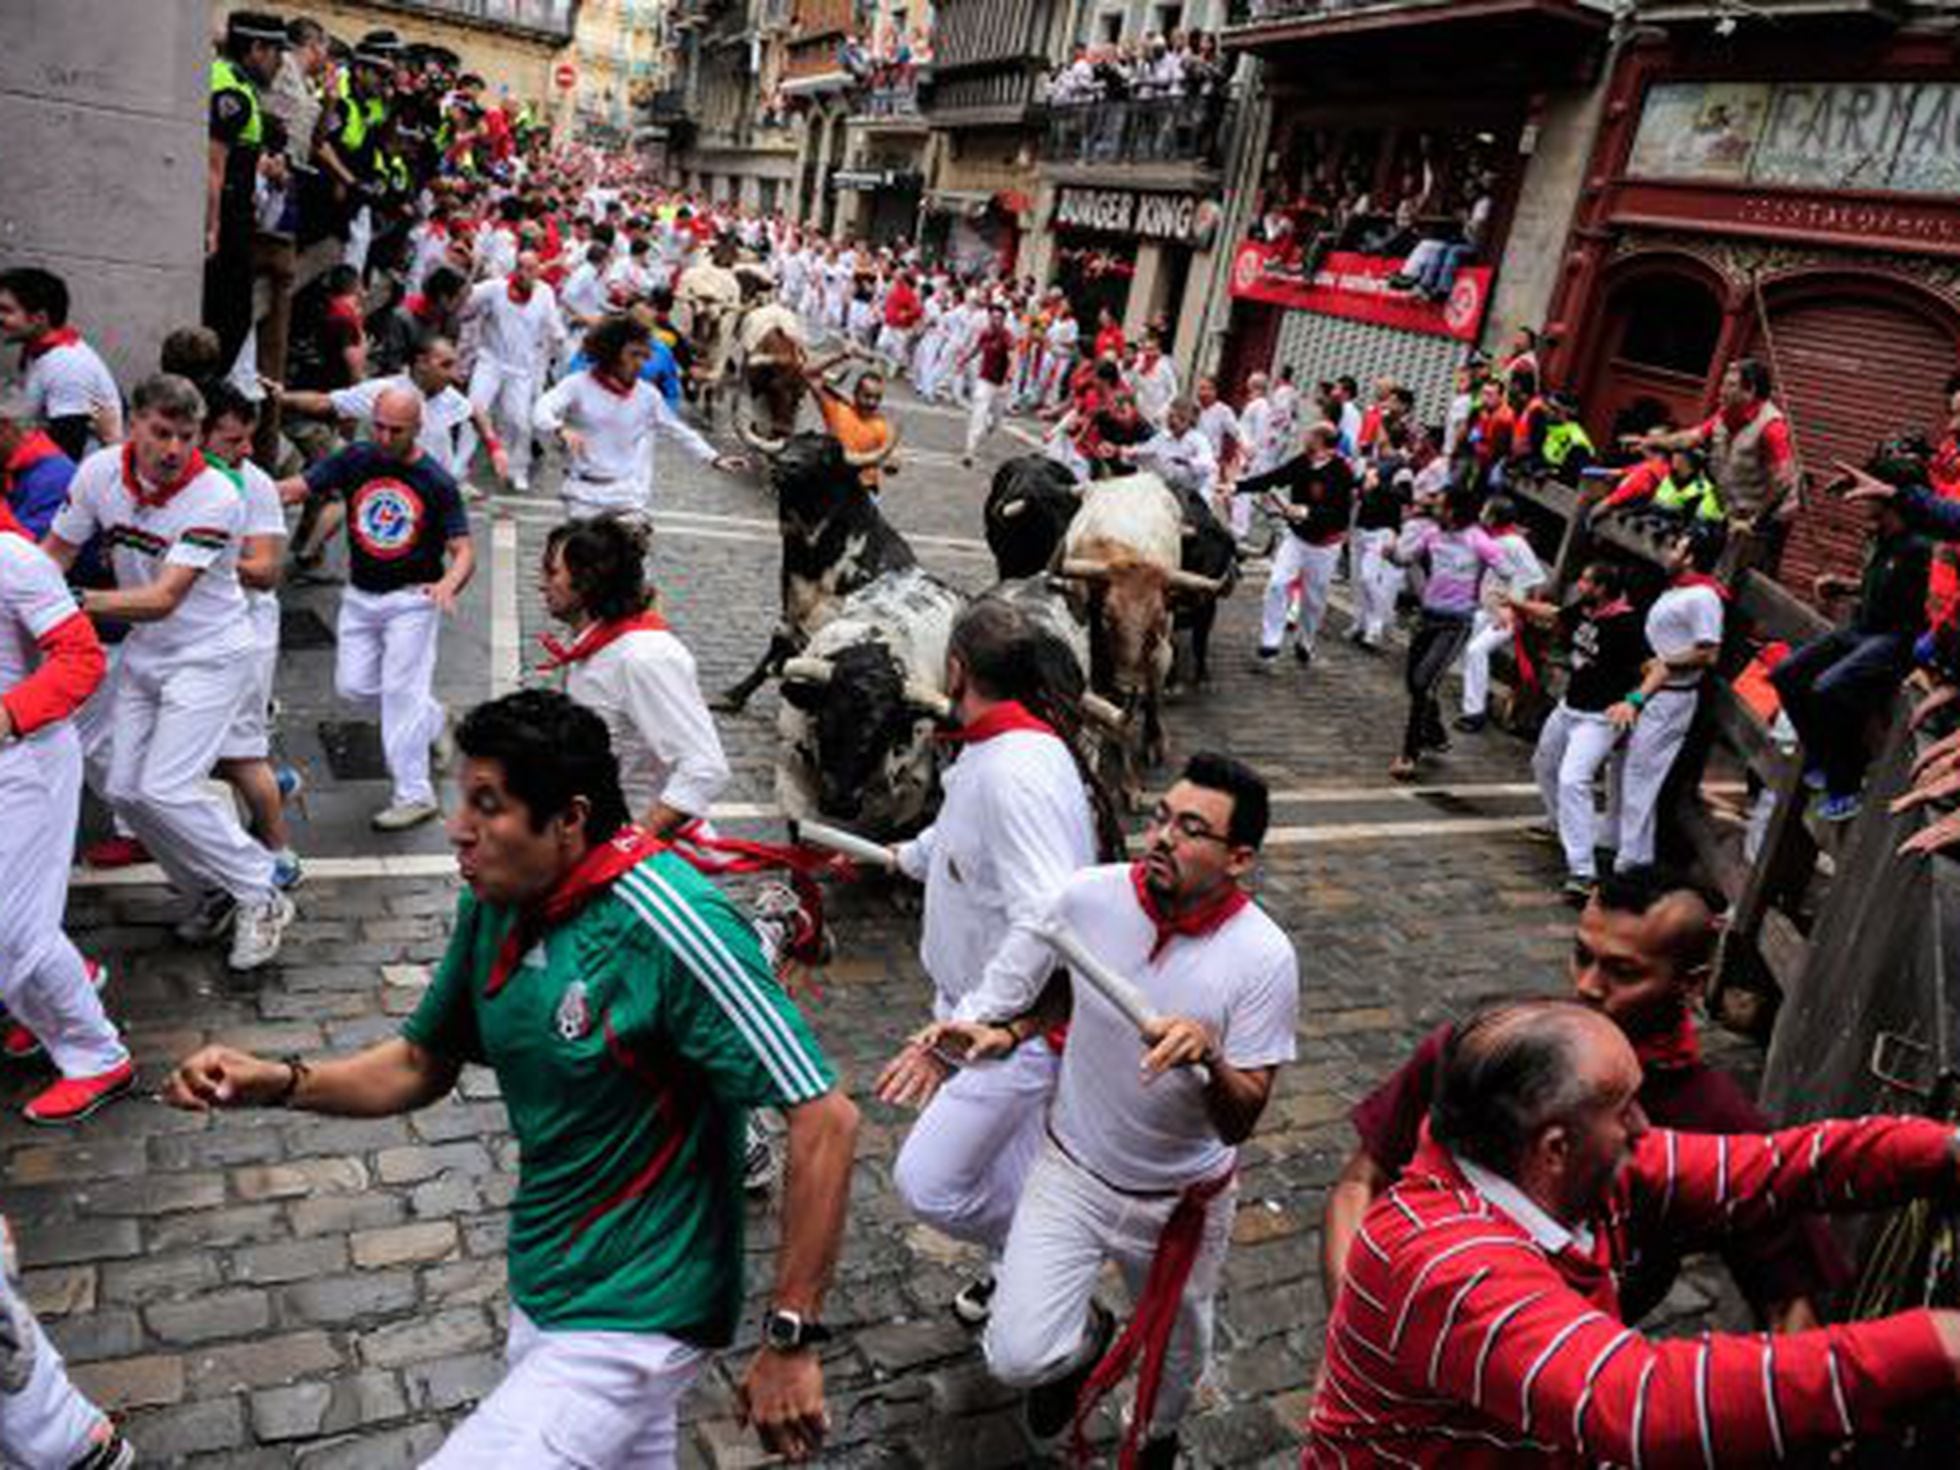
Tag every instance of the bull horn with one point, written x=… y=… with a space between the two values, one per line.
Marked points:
x=1085 y=571
x=1100 y=711
x=767 y=447
x=866 y=459
x=807 y=670
x=1012 y=509
x=927 y=700
x=1182 y=581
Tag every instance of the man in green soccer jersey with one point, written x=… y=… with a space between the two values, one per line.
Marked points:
x=631 y=1020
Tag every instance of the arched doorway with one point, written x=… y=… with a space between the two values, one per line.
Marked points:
x=1662 y=322
x=1860 y=358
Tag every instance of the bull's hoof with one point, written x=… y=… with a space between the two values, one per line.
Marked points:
x=729 y=702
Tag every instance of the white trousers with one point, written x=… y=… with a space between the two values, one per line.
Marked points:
x=388 y=657
x=1572 y=748
x=170 y=724
x=1487 y=635
x=1314 y=567
x=1377 y=582
x=962 y=1166
x=43 y=982
x=984 y=415
x=577 y=1401
x=1655 y=741
x=507 y=392
x=250 y=736
x=1068 y=1225
x=46 y=1423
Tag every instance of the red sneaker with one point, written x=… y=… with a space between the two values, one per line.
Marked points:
x=115 y=852
x=19 y=1043
x=73 y=1098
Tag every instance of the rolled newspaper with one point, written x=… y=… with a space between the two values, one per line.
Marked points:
x=1119 y=990
x=860 y=849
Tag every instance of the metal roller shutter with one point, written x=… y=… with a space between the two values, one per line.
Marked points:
x=1320 y=346
x=1854 y=371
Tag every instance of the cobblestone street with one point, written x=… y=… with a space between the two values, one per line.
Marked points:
x=267 y=1290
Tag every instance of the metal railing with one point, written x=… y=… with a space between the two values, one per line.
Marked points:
x=554 y=18
x=1261 y=12
x=1139 y=130
x=895 y=97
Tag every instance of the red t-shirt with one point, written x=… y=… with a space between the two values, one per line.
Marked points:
x=996 y=348
x=1799 y=1258
x=1109 y=342
x=1776 y=437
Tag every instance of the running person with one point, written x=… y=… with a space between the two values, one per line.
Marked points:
x=591 y=970
x=172 y=525
x=521 y=331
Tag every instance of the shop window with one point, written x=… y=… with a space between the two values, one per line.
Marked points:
x=1110 y=26
x=1672 y=323
x=1169 y=18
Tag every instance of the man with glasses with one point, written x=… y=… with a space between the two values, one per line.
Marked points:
x=1139 y=1165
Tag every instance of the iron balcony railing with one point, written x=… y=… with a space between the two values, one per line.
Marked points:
x=896 y=97
x=552 y=18
x=1188 y=129
x=1261 y=12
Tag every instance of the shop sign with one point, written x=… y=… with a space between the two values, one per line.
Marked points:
x=1901 y=136
x=1357 y=287
x=1181 y=219
x=869 y=180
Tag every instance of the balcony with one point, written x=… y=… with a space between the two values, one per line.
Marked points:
x=890 y=100
x=1143 y=130
x=1437 y=39
x=1887 y=12
x=542 y=20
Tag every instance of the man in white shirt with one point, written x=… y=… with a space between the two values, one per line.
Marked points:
x=174 y=526
x=1154 y=379
x=607 y=417
x=1179 y=453
x=66 y=383
x=447 y=413
x=520 y=332
x=625 y=663
x=1684 y=631
x=1222 y=431
x=1058 y=353
x=1016 y=823
x=1140 y=1160
x=583 y=296
x=1258 y=426
x=1519 y=574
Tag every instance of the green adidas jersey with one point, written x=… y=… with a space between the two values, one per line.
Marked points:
x=628 y=1044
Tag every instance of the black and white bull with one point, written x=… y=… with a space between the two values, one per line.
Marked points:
x=861 y=703
x=834 y=541
x=1028 y=510
x=1210 y=551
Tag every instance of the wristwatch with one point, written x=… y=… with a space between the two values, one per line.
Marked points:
x=787 y=1332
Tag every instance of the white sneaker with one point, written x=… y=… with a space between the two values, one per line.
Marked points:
x=403 y=815
x=261 y=927
x=442 y=749
x=209 y=920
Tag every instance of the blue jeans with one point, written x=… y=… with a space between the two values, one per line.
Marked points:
x=1830 y=687
x=1440 y=275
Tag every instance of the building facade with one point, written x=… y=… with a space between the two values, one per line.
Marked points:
x=1783 y=184
x=620 y=61
x=724 y=126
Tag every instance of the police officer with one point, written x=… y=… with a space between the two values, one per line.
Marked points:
x=249 y=61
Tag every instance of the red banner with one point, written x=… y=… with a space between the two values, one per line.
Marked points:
x=1356 y=286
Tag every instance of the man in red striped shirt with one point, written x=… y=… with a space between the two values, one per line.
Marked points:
x=1480 y=1321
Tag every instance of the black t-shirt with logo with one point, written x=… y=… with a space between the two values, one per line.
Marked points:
x=399 y=516
x=1609 y=653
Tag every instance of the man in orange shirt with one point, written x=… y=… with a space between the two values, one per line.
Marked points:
x=858 y=422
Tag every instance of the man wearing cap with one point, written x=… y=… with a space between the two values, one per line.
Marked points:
x=249 y=61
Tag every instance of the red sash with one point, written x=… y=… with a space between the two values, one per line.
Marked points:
x=1196 y=923
x=1009 y=714
x=595 y=637
x=597 y=871
x=151 y=499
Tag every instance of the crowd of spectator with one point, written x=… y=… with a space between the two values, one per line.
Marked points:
x=1177 y=64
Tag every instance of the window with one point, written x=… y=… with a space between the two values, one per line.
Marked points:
x=1109 y=26
x=1672 y=323
x=1168 y=18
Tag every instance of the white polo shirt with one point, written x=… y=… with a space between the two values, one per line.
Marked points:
x=265 y=515
x=443 y=416
x=516 y=334
x=197 y=526
x=615 y=468
x=1241 y=982
x=34 y=601
x=1013 y=826
x=70 y=381
x=1680 y=619
x=644 y=686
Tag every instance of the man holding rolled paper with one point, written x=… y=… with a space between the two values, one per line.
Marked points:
x=1185 y=996
x=1015 y=824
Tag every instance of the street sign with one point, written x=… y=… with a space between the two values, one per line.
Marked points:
x=565 y=75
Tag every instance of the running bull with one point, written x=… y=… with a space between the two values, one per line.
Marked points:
x=834 y=542
x=860 y=706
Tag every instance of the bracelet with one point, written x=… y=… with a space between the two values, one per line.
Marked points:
x=1638 y=699
x=298 y=1072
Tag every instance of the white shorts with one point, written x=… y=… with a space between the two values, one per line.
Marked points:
x=578 y=1401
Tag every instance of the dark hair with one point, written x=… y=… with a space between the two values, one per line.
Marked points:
x=1251 y=802
x=1507 y=1073
x=611 y=337
x=552 y=749
x=224 y=401
x=1610 y=576
x=38 y=290
x=1754 y=376
x=340 y=280
x=1502 y=509
x=606 y=560
x=444 y=280
x=191 y=352
x=302 y=30
x=425 y=343
x=661 y=298
x=1348 y=385
x=1640 y=890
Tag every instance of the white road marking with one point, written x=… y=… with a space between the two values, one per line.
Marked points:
x=505 y=665
x=539 y=510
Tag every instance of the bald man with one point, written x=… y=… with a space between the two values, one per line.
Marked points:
x=519 y=330
x=1641 y=958
x=409 y=556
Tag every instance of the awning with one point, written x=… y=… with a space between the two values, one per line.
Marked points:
x=969 y=202
x=866 y=180
x=816 y=86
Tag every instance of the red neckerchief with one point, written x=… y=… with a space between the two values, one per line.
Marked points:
x=1009 y=714
x=418 y=307
x=1496 y=531
x=597 y=871
x=1193 y=925
x=1618 y=607
x=1702 y=579
x=611 y=384
x=36 y=447
x=1671 y=1050
x=48 y=341
x=595 y=637
x=1738 y=418
x=510 y=289
x=151 y=499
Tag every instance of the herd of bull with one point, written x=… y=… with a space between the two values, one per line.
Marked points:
x=1111 y=571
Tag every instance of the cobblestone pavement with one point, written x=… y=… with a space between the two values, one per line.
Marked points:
x=270 y=1290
